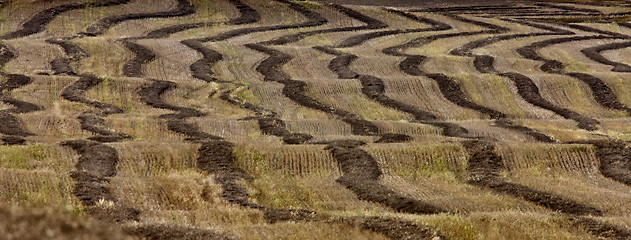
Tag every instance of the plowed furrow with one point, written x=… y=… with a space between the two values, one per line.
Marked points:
x=526 y=88
x=293 y=89
x=215 y=156
x=38 y=22
x=361 y=175
x=184 y=7
x=202 y=68
x=484 y=64
x=91 y=120
x=595 y=53
x=615 y=160
x=96 y=165
x=484 y=167
x=271 y=68
x=601 y=92
x=168 y=231
x=374 y=88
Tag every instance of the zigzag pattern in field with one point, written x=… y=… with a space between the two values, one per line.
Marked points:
x=295 y=119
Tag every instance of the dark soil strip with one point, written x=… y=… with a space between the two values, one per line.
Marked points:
x=168 y=232
x=603 y=94
x=90 y=120
x=484 y=64
x=615 y=159
x=271 y=68
x=133 y=68
x=38 y=22
x=484 y=167
x=247 y=15
x=96 y=165
x=526 y=88
x=93 y=120
x=361 y=175
x=595 y=53
x=601 y=229
x=215 y=156
x=201 y=69
x=272 y=125
x=395 y=228
x=10 y=124
x=184 y=7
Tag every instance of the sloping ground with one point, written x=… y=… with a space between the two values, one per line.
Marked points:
x=248 y=119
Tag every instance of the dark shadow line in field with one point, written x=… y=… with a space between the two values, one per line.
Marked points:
x=39 y=22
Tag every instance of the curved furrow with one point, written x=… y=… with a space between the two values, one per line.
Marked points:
x=449 y=88
x=38 y=22
x=595 y=53
x=270 y=68
x=98 y=162
x=269 y=123
x=11 y=125
x=216 y=156
x=143 y=55
x=526 y=88
x=184 y=7
x=95 y=166
x=485 y=166
x=602 y=93
x=485 y=64
x=202 y=68
x=362 y=173
x=91 y=120
x=374 y=87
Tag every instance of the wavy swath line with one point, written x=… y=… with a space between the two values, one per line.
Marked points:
x=11 y=125
x=485 y=166
x=601 y=92
x=38 y=22
x=184 y=7
x=361 y=172
x=271 y=125
x=484 y=64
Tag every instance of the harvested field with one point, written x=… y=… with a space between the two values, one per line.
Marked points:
x=287 y=119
